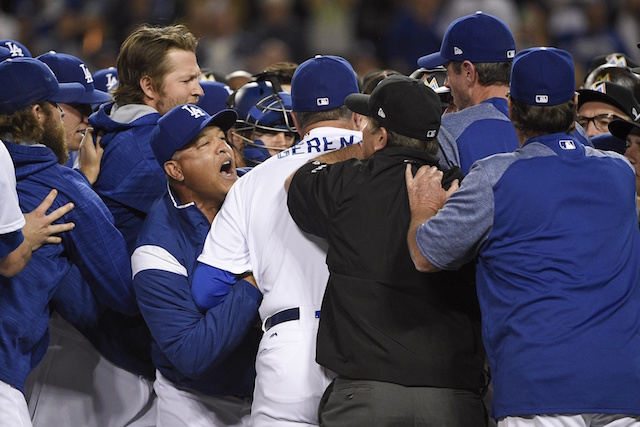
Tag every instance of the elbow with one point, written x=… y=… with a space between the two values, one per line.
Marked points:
x=426 y=267
x=189 y=370
x=194 y=365
x=130 y=309
x=422 y=265
x=10 y=270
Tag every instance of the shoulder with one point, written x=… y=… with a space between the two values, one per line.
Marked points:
x=161 y=224
x=618 y=158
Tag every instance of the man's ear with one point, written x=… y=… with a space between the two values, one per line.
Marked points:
x=174 y=170
x=358 y=121
x=146 y=84
x=469 y=72
x=381 y=139
x=38 y=111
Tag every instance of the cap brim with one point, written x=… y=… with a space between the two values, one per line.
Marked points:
x=358 y=103
x=94 y=97
x=68 y=93
x=432 y=60
x=224 y=119
x=609 y=142
x=588 y=95
x=621 y=128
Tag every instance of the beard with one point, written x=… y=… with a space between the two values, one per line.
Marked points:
x=54 y=135
x=165 y=104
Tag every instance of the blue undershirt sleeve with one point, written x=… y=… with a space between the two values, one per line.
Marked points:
x=210 y=286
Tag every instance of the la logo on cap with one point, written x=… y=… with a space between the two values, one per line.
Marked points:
x=195 y=112
x=87 y=74
x=112 y=81
x=542 y=99
x=14 y=49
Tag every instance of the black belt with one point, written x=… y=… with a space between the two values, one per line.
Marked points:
x=282 y=316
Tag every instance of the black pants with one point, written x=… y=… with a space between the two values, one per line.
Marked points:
x=357 y=403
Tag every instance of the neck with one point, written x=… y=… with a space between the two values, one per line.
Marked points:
x=210 y=210
x=208 y=207
x=342 y=124
x=486 y=92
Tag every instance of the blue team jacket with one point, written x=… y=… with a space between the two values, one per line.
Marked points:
x=212 y=352
x=130 y=178
x=130 y=181
x=94 y=247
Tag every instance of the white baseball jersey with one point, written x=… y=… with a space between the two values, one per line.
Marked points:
x=253 y=231
x=11 y=218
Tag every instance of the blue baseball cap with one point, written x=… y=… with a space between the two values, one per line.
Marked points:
x=27 y=81
x=71 y=70
x=322 y=83
x=106 y=79
x=542 y=76
x=479 y=37
x=215 y=96
x=4 y=53
x=17 y=49
x=176 y=129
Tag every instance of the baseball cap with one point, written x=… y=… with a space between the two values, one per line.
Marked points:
x=609 y=142
x=616 y=58
x=612 y=94
x=17 y=49
x=322 y=83
x=401 y=104
x=105 y=79
x=542 y=76
x=479 y=37
x=181 y=125
x=71 y=70
x=27 y=80
x=621 y=128
x=4 y=53
x=215 y=96
x=433 y=78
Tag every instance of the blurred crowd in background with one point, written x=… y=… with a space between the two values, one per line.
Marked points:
x=251 y=34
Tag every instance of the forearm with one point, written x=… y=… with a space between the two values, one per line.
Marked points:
x=420 y=262
x=13 y=263
x=193 y=341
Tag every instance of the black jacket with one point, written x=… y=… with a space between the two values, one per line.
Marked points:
x=381 y=319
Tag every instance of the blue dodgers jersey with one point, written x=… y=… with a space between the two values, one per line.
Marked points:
x=558 y=283
x=212 y=352
x=475 y=133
